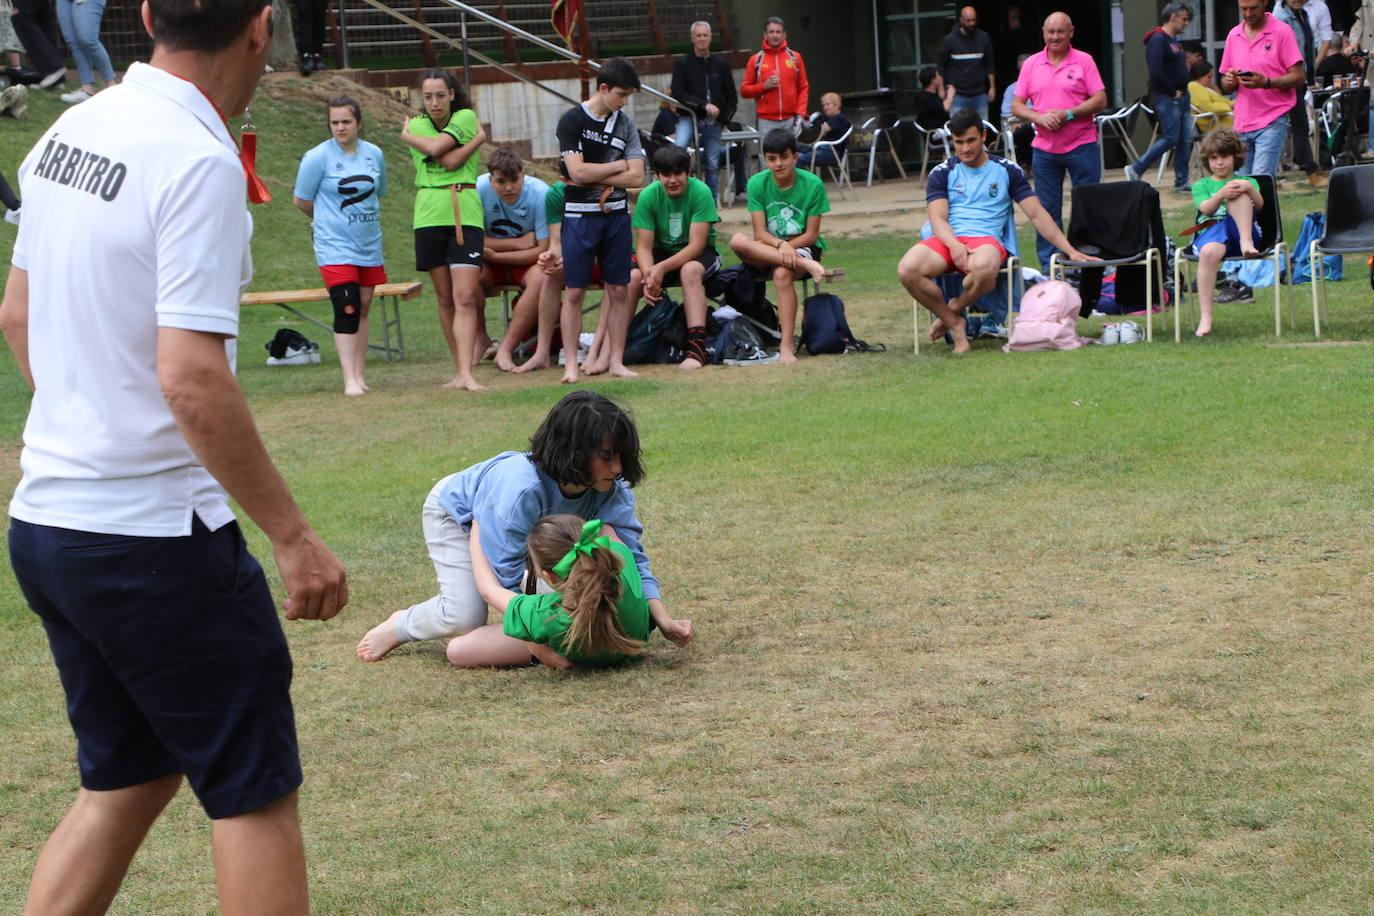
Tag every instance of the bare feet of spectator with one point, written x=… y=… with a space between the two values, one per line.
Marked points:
x=619 y=371
x=380 y=640
x=786 y=356
x=814 y=268
x=504 y=361
x=482 y=348
x=1248 y=251
x=533 y=363
x=354 y=391
x=937 y=329
x=464 y=382
x=689 y=364
x=1204 y=327
x=569 y=377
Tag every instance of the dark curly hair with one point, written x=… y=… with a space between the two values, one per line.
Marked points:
x=573 y=432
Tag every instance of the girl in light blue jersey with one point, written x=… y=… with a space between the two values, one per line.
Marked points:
x=583 y=460
x=338 y=186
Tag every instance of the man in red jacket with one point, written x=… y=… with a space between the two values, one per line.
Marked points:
x=775 y=78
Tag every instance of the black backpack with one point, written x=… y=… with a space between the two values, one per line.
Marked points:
x=287 y=337
x=658 y=334
x=825 y=329
x=743 y=288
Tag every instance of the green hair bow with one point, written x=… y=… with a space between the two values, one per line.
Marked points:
x=586 y=543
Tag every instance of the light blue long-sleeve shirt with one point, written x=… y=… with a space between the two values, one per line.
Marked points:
x=508 y=494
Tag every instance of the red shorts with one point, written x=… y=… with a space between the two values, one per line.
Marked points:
x=970 y=242
x=508 y=274
x=339 y=274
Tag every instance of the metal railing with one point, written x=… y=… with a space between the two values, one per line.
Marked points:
x=464 y=46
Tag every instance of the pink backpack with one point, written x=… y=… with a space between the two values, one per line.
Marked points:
x=1048 y=319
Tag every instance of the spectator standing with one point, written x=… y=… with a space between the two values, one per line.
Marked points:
x=966 y=65
x=80 y=24
x=1059 y=91
x=1022 y=134
x=775 y=77
x=33 y=23
x=310 y=22
x=1262 y=65
x=1169 y=96
x=1310 y=21
x=1202 y=90
x=702 y=81
x=1362 y=39
x=122 y=539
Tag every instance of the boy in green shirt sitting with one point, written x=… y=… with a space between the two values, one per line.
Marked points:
x=675 y=234
x=786 y=206
x=1226 y=205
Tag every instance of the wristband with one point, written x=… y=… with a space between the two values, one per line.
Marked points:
x=1068 y=115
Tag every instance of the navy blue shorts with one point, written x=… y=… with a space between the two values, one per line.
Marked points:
x=590 y=238
x=172 y=657
x=1226 y=232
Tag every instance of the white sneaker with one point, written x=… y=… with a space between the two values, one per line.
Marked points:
x=1129 y=332
x=75 y=98
x=1111 y=335
x=53 y=78
x=1131 y=174
x=295 y=357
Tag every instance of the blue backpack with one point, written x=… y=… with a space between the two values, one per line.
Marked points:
x=1313 y=228
x=825 y=329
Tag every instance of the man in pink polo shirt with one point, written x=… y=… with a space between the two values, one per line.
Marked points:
x=1059 y=91
x=1263 y=66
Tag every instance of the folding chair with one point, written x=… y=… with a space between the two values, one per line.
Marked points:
x=1112 y=209
x=1270 y=219
x=936 y=139
x=1349 y=227
x=840 y=170
x=1118 y=126
x=1009 y=273
x=874 y=130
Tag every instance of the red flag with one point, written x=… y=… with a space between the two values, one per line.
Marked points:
x=564 y=19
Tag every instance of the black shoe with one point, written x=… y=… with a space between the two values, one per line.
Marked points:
x=305 y=65
x=316 y=64
x=22 y=76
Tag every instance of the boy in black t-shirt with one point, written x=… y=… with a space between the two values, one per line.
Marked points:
x=600 y=157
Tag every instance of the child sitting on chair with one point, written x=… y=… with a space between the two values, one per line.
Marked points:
x=785 y=206
x=1226 y=208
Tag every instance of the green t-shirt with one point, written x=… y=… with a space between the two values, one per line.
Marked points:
x=1204 y=188
x=787 y=211
x=541 y=618
x=553 y=203
x=671 y=218
x=433 y=203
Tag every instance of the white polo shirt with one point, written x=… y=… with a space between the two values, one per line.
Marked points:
x=135 y=218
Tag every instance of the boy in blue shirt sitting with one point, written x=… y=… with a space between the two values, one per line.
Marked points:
x=968 y=201
x=517 y=233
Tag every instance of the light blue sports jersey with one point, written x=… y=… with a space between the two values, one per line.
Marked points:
x=346 y=191
x=980 y=199
x=510 y=221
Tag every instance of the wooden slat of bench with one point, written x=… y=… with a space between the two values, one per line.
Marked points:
x=407 y=290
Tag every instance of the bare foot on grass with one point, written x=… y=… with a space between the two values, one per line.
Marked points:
x=569 y=377
x=689 y=364
x=504 y=361
x=465 y=383
x=1204 y=327
x=619 y=371
x=354 y=391
x=937 y=330
x=380 y=640
x=786 y=356
x=532 y=364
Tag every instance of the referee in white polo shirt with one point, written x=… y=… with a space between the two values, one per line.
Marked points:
x=121 y=308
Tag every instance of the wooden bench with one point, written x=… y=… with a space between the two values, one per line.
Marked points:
x=387 y=292
x=809 y=287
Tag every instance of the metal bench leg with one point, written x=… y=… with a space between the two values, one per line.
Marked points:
x=1317 y=277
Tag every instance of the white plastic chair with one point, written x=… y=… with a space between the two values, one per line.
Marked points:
x=875 y=130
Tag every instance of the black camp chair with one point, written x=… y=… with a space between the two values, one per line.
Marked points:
x=1272 y=247
x=1349 y=227
x=1121 y=222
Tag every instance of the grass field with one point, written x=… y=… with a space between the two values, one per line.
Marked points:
x=1079 y=632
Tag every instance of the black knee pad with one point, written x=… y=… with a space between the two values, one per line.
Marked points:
x=348 y=307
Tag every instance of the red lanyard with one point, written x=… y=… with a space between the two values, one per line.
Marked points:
x=248 y=150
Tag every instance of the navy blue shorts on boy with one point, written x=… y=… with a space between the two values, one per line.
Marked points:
x=172 y=658
x=602 y=238
x=1226 y=232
